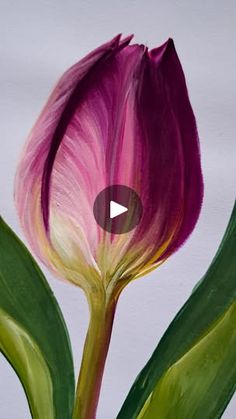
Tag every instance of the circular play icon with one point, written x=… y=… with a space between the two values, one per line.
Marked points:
x=117 y=209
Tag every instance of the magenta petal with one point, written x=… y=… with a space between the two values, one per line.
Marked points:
x=69 y=94
x=121 y=116
x=172 y=187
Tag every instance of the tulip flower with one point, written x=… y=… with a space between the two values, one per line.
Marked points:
x=120 y=116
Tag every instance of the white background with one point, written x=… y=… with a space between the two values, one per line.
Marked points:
x=41 y=39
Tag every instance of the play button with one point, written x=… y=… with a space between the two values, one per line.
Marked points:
x=117 y=209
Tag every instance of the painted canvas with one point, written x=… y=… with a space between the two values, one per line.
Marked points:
x=108 y=187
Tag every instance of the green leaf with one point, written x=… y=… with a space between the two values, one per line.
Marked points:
x=33 y=334
x=192 y=372
x=200 y=383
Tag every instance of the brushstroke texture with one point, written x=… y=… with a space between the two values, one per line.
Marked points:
x=121 y=116
x=201 y=383
x=195 y=362
x=33 y=335
x=27 y=360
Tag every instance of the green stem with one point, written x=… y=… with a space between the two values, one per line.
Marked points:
x=94 y=356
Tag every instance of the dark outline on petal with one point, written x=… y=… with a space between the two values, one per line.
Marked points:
x=76 y=97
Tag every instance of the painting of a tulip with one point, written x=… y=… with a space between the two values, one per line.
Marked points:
x=119 y=118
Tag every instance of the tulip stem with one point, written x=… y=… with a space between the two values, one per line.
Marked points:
x=94 y=357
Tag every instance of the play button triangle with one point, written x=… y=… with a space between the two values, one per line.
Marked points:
x=116 y=209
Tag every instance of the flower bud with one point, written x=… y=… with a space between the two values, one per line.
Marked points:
x=120 y=116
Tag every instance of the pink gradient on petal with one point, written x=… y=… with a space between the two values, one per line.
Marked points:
x=85 y=150
x=119 y=116
x=36 y=151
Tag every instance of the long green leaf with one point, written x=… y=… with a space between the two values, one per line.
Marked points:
x=200 y=383
x=198 y=348
x=33 y=334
